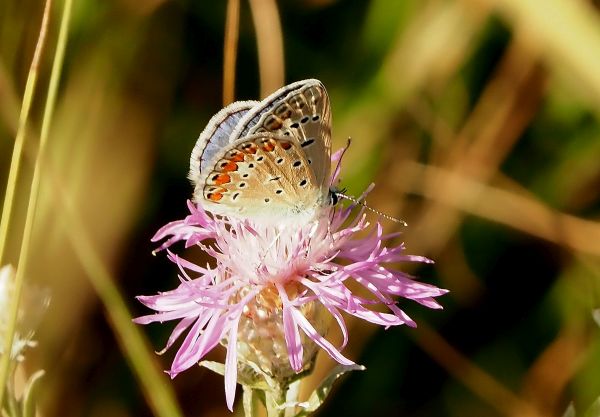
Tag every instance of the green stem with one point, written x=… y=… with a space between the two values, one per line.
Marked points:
x=9 y=198
x=272 y=402
x=15 y=161
x=35 y=182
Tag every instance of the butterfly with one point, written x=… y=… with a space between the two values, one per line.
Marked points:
x=267 y=159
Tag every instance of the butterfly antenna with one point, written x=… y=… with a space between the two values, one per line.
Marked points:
x=338 y=165
x=359 y=202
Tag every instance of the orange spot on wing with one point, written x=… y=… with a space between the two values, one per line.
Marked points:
x=236 y=157
x=285 y=145
x=250 y=148
x=214 y=196
x=221 y=179
x=268 y=147
x=228 y=166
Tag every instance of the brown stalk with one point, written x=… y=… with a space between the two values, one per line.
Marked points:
x=476 y=379
x=230 y=45
x=269 y=38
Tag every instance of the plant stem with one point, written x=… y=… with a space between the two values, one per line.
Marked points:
x=15 y=161
x=10 y=194
x=273 y=400
x=232 y=24
x=35 y=182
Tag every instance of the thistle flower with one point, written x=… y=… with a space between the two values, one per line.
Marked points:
x=273 y=289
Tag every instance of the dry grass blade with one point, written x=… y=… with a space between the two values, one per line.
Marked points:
x=477 y=380
x=230 y=46
x=553 y=369
x=269 y=38
x=568 y=34
x=502 y=112
x=517 y=210
x=9 y=197
x=21 y=131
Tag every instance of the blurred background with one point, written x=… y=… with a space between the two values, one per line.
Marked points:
x=476 y=119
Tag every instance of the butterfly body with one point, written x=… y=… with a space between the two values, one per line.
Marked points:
x=267 y=160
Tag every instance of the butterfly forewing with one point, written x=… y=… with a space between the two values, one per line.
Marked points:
x=299 y=110
x=275 y=162
x=261 y=175
x=217 y=135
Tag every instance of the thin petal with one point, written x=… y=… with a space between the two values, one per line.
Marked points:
x=291 y=333
x=231 y=364
x=318 y=339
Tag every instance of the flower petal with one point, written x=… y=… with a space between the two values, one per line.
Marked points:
x=318 y=339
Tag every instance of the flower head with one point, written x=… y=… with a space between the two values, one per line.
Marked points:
x=274 y=289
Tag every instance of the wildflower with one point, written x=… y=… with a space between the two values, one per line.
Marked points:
x=273 y=290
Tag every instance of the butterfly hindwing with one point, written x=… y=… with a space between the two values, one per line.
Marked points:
x=268 y=159
x=217 y=135
x=260 y=175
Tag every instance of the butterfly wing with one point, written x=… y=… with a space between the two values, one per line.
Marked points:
x=216 y=136
x=300 y=110
x=260 y=176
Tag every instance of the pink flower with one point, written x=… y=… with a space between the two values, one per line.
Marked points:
x=273 y=290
